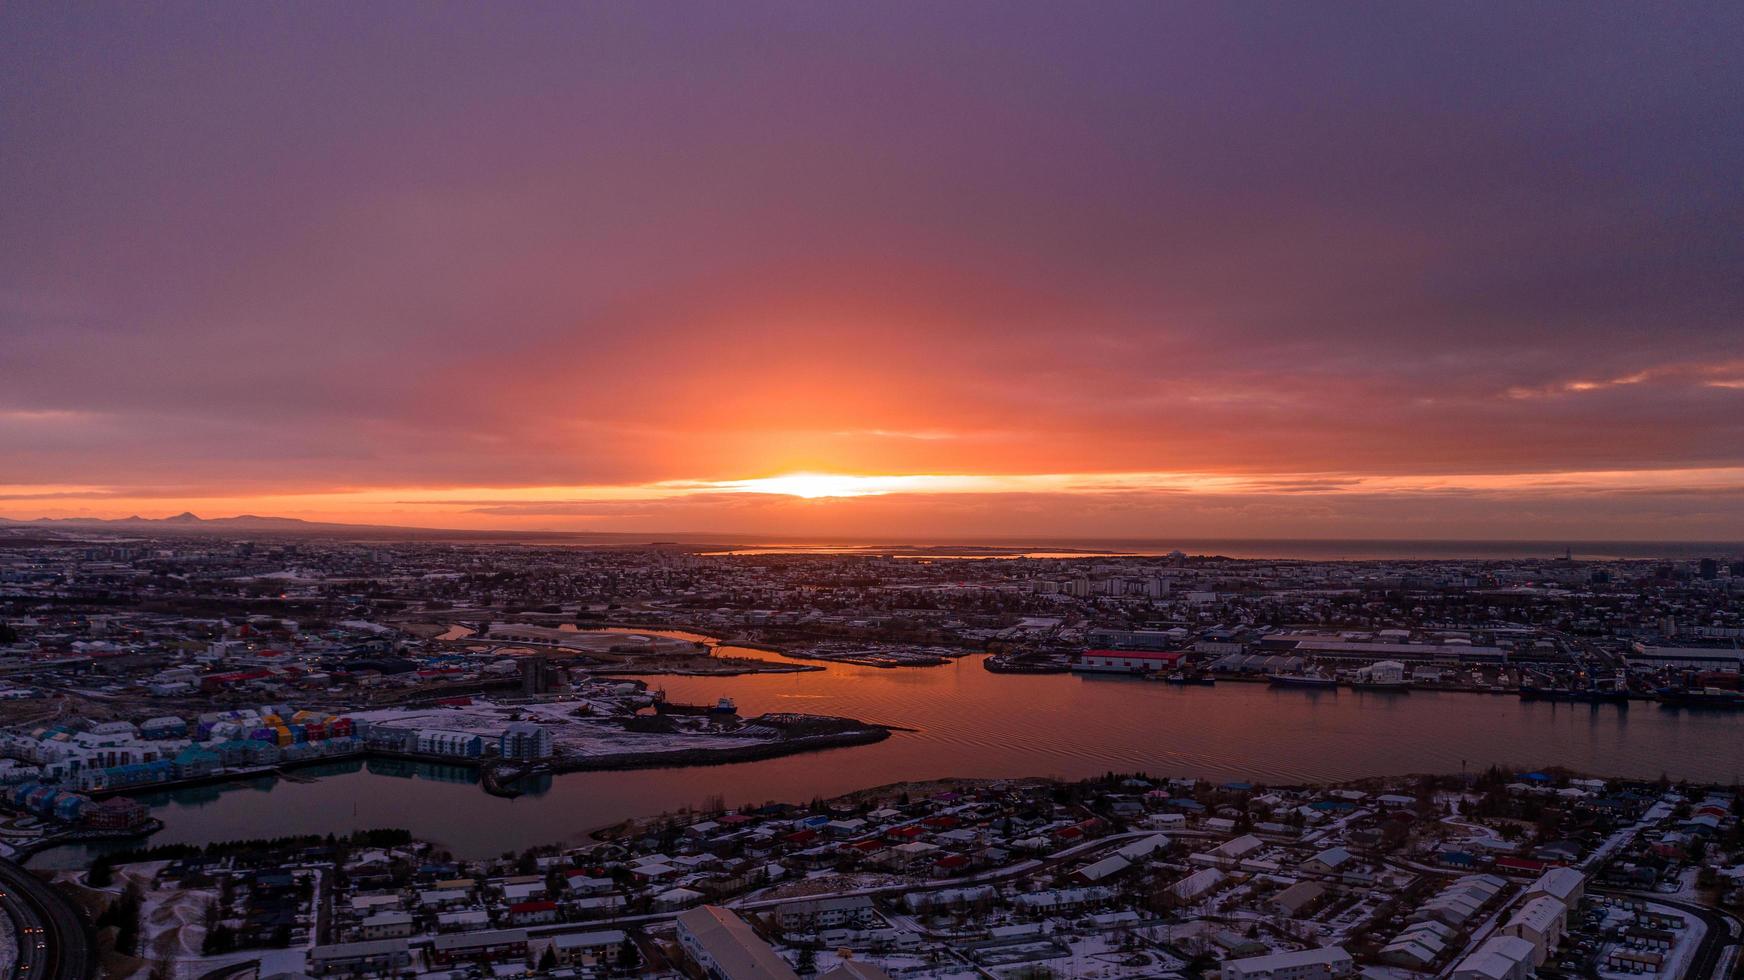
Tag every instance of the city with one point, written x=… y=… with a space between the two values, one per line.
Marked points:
x=893 y=490
x=145 y=668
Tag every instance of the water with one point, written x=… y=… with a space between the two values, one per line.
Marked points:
x=1291 y=549
x=972 y=723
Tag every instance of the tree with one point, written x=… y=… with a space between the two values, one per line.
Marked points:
x=629 y=955
x=123 y=915
x=807 y=961
x=548 y=961
x=165 y=950
x=222 y=939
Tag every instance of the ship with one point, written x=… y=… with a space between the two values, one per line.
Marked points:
x=1532 y=692
x=1301 y=680
x=1004 y=664
x=1574 y=695
x=1704 y=697
x=724 y=706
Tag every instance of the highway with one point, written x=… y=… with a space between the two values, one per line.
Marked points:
x=54 y=942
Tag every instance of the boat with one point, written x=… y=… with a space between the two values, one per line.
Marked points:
x=724 y=706
x=1532 y=692
x=1302 y=680
x=1705 y=697
x=1572 y=695
x=1001 y=664
x=1182 y=678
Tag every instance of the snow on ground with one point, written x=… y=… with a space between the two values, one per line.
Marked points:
x=906 y=965
x=272 y=961
x=171 y=919
x=1098 y=957
x=8 y=946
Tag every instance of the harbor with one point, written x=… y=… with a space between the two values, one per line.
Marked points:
x=969 y=722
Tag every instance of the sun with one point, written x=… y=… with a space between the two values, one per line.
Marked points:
x=814 y=485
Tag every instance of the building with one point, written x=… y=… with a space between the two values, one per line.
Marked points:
x=1540 y=921
x=1461 y=900
x=462 y=744
x=1499 y=958
x=583 y=948
x=1114 y=640
x=533 y=913
x=826 y=913
x=479 y=947
x=116 y=813
x=1328 y=648
x=374 y=958
x=1622 y=959
x=1566 y=885
x=1691 y=658
x=1126 y=661
x=525 y=740
x=724 y=947
x=1306 y=964
x=1298 y=898
x=385 y=925
x=1334 y=862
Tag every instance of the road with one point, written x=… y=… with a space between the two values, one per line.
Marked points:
x=53 y=940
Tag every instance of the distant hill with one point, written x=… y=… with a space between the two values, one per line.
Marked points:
x=253 y=524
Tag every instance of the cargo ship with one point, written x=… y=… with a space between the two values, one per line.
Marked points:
x=724 y=706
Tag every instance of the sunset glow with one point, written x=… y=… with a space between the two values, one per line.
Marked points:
x=1023 y=273
x=814 y=485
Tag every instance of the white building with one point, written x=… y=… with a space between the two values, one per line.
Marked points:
x=1124 y=662
x=1499 y=958
x=525 y=740
x=1540 y=922
x=1566 y=885
x=437 y=742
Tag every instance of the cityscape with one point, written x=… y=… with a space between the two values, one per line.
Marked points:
x=772 y=490
x=153 y=674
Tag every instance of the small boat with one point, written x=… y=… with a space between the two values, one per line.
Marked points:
x=1184 y=679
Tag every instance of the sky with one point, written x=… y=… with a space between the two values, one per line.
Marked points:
x=978 y=269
